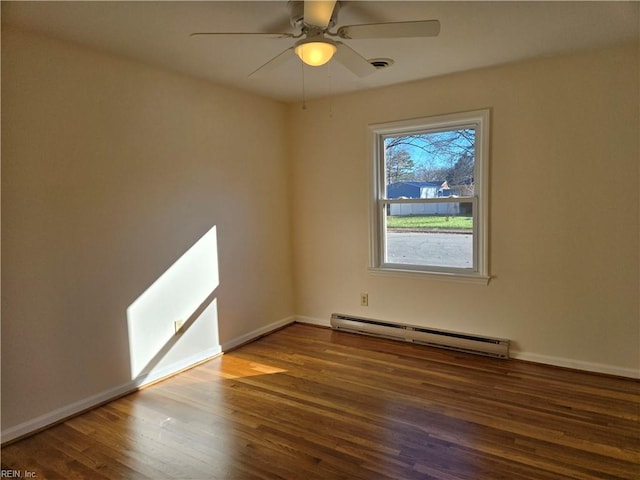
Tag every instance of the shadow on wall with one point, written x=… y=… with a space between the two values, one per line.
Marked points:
x=185 y=292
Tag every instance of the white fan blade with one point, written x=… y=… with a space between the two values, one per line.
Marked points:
x=421 y=28
x=353 y=60
x=241 y=34
x=318 y=12
x=274 y=63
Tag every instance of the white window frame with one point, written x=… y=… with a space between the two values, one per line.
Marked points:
x=477 y=119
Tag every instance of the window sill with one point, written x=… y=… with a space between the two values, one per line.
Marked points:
x=443 y=276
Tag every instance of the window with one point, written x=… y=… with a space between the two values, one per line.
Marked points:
x=429 y=205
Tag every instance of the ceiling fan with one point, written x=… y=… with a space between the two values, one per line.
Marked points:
x=313 y=20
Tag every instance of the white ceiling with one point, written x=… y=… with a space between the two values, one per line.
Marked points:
x=473 y=35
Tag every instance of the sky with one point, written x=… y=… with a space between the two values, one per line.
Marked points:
x=438 y=149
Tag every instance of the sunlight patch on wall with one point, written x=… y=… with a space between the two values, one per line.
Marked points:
x=185 y=293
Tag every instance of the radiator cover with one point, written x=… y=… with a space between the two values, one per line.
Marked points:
x=462 y=342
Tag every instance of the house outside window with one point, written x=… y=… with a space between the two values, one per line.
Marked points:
x=429 y=205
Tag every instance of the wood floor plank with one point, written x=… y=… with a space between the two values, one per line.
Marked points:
x=310 y=403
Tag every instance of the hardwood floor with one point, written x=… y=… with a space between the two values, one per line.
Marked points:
x=308 y=403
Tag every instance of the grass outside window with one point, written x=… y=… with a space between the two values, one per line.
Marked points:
x=428 y=222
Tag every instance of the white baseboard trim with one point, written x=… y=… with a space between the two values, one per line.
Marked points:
x=313 y=321
x=188 y=362
x=576 y=364
x=50 y=418
x=59 y=414
x=248 y=337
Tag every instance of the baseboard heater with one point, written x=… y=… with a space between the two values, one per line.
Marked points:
x=462 y=342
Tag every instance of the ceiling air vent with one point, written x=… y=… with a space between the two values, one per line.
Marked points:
x=381 y=63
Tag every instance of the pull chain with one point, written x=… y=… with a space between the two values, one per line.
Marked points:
x=330 y=81
x=304 y=101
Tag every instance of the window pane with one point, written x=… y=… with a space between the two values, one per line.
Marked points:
x=430 y=234
x=430 y=164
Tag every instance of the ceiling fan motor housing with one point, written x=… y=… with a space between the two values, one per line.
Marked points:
x=296 y=15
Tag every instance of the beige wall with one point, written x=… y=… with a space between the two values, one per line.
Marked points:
x=111 y=172
x=563 y=209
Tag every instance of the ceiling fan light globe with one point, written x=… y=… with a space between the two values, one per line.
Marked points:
x=315 y=53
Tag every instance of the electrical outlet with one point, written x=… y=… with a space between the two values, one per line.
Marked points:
x=364 y=299
x=178 y=324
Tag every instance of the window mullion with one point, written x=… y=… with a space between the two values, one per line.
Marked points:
x=430 y=200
